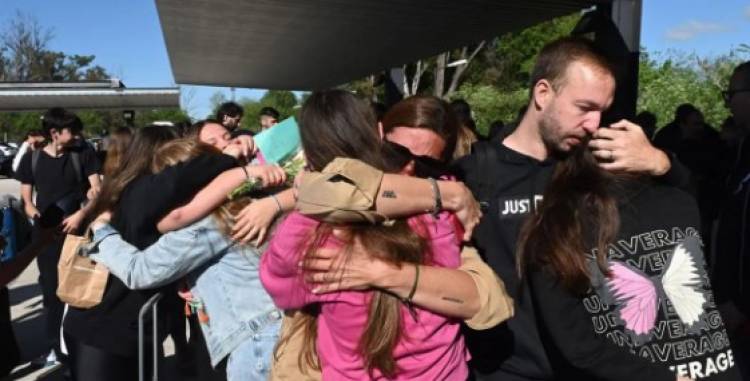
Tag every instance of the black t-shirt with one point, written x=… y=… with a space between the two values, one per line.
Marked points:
x=55 y=178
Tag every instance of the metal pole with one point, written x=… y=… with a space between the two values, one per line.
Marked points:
x=626 y=15
x=155 y=353
x=151 y=303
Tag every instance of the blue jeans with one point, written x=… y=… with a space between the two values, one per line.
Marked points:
x=252 y=359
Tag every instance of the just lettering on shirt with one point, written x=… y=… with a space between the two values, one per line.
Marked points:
x=518 y=206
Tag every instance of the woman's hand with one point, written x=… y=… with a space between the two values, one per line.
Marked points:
x=254 y=221
x=459 y=199
x=331 y=270
x=71 y=224
x=244 y=145
x=31 y=211
x=269 y=175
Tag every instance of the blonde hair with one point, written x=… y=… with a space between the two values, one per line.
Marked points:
x=179 y=151
x=466 y=138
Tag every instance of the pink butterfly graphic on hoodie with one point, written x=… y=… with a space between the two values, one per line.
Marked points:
x=639 y=296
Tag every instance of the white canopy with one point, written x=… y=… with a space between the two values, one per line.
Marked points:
x=111 y=95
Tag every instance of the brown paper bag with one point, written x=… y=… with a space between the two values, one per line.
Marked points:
x=81 y=281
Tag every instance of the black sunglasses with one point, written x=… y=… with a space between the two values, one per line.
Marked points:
x=424 y=166
x=728 y=94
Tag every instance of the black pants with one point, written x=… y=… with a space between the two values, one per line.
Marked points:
x=47 y=263
x=89 y=363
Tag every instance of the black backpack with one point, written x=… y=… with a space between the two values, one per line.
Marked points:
x=486 y=156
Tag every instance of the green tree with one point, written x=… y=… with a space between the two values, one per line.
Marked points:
x=506 y=64
x=678 y=78
x=490 y=104
x=495 y=81
x=27 y=57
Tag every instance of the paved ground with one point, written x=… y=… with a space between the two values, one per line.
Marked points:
x=27 y=316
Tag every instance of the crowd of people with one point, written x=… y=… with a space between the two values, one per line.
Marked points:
x=410 y=247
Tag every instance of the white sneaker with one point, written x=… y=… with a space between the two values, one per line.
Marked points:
x=45 y=361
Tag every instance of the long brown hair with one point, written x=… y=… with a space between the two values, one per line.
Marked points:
x=335 y=123
x=135 y=163
x=578 y=211
x=119 y=140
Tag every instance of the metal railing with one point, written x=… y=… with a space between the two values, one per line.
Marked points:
x=153 y=305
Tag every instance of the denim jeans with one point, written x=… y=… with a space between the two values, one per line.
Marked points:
x=252 y=359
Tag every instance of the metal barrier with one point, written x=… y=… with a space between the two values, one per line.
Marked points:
x=151 y=304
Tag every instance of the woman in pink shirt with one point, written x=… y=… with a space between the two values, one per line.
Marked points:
x=365 y=334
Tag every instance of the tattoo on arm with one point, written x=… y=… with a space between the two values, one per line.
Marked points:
x=389 y=194
x=454 y=300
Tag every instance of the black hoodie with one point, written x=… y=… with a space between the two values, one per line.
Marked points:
x=510 y=185
x=656 y=302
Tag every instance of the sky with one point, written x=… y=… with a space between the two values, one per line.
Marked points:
x=126 y=38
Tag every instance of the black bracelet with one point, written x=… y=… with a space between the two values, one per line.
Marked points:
x=413 y=291
x=247 y=175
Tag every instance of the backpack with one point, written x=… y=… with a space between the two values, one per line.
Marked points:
x=15 y=229
x=8 y=234
x=486 y=157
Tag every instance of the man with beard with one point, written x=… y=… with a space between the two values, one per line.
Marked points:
x=571 y=86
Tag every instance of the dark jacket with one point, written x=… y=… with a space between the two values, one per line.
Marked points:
x=731 y=274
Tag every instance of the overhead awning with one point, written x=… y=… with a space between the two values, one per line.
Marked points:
x=313 y=44
x=96 y=95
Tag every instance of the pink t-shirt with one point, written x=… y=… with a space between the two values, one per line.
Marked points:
x=432 y=347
